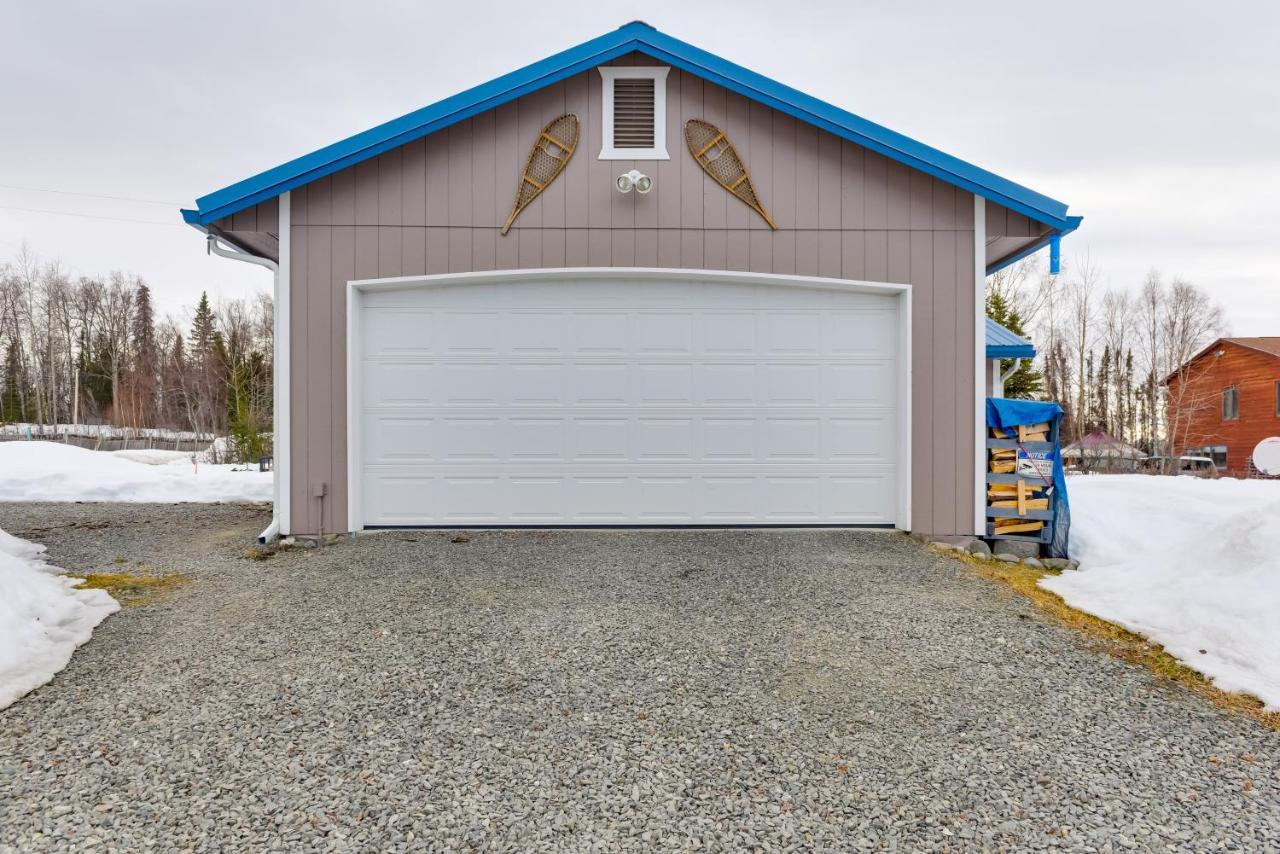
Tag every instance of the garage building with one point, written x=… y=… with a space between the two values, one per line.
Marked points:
x=659 y=356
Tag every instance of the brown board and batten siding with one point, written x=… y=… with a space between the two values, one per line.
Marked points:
x=436 y=205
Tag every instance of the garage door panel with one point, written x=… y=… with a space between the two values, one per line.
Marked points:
x=627 y=402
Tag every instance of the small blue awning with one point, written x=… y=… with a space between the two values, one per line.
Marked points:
x=1005 y=344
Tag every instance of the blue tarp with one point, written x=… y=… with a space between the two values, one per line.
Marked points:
x=1004 y=413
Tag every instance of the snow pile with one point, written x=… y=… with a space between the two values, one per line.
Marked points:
x=1192 y=564
x=42 y=617
x=49 y=471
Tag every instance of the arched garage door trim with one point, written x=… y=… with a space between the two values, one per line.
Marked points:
x=357 y=288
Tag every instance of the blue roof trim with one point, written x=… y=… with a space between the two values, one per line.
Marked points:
x=1004 y=343
x=636 y=36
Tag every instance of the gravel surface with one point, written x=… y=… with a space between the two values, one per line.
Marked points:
x=575 y=690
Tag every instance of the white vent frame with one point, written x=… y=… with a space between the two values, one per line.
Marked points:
x=658 y=74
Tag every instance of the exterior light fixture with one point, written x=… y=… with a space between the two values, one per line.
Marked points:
x=634 y=180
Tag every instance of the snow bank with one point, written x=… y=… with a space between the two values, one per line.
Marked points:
x=1191 y=564
x=49 y=471
x=42 y=617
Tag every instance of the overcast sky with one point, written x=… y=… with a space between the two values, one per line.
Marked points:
x=1157 y=121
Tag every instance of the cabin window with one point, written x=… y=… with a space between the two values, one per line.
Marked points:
x=634 y=113
x=1230 y=403
x=1217 y=453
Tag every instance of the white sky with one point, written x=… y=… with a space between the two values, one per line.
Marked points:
x=1158 y=121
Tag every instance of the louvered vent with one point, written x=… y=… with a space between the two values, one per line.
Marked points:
x=633 y=105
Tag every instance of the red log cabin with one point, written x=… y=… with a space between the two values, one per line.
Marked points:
x=1225 y=400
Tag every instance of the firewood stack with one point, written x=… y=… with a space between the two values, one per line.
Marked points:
x=1029 y=491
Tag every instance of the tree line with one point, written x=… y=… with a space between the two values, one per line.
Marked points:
x=1104 y=354
x=90 y=350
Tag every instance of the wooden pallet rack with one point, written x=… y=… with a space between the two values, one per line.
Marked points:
x=1025 y=497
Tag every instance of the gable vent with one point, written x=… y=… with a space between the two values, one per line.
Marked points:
x=634 y=112
x=633 y=106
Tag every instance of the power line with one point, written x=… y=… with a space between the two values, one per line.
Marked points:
x=91 y=195
x=87 y=216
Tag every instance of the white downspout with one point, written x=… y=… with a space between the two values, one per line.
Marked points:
x=272 y=531
x=1008 y=375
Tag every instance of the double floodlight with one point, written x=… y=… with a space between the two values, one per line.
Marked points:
x=634 y=180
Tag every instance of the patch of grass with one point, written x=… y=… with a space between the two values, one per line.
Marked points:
x=132 y=590
x=1114 y=640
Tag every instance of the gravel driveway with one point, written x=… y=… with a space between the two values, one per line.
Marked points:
x=579 y=690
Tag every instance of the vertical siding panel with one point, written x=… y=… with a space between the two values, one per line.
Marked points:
x=806 y=252
x=413 y=166
x=715 y=200
x=920 y=189
x=830 y=182
x=692 y=252
x=949 y=417
x=318 y=406
x=343 y=198
x=245 y=220
x=507 y=166
x=600 y=174
x=964 y=209
x=575 y=174
x=944 y=205
x=530 y=242
x=575 y=247
x=669 y=247
x=996 y=223
x=436 y=151
x=438 y=249
x=390 y=251
x=461 y=179
x=299 y=368
x=877 y=259
x=784 y=251
x=761 y=169
x=737 y=216
x=715 y=249
x=391 y=188
x=691 y=175
x=319 y=202
x=806 y=177
x=830 y=252
x=298 y=205
x=485 y=213
x=852 y=187
x=459 y=249
x=738 y=126
x=367 y=252
x=599 y=247
x=667 y=178
x=367 y=192
x=414 y=252
x=343 y=255
x=853 y=255
x=897 y=195
x=875 y=179
x=623 y=251
x=554 y=250
x=647 y=247
x=916 y=255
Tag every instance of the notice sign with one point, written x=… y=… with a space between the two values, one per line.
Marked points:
x=1035 y=464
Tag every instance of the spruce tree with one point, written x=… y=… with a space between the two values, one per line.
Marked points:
x=1026 y=382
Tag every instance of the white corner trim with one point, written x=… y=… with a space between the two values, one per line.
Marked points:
x=281 y=385
x=979 y=366
x=355 y=504
x=356 y=288
x=659 y=76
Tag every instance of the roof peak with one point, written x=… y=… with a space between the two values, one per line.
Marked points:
x=635 y=35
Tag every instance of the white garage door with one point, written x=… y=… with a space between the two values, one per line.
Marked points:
x=626 y=402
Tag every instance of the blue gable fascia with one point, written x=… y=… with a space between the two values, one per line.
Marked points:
x=636 y=36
